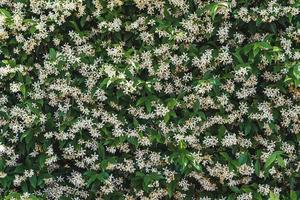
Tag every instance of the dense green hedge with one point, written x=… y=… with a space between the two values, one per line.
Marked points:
x=149 y=99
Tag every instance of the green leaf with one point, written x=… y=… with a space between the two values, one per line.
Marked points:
x=4 y=115
x=265 y=45
x=296 y=71
x=270 y=160
x=221 y=132
x=280 y=161
x=248 y=128
x=225 y=156
x=75 y=26
x=27 y=136
x=214 y=8
x=246 y=49
x=149 y=178
x=214 y=11
x=198 y=167
x=148 y=105
x=140 y=101
x=101 y=151
x=91 y=180
x=196 y=106
x=274 y=196
x=5 y=13
x=147 y=181
x=238 y=57
x=82 y=21
x=102 y=176
x=276 y=49
x=171 y=188
x=235 y=189
x=41 y=160
x=257 y=167
x=243 y=159
x=293 y=195
x=171 y=103
x=24 y=187
x=32 y=29
x=52 y=54
x=33 y=181
x=257 y=196
x=256 y=50
x=23 y=90
x=167 y=117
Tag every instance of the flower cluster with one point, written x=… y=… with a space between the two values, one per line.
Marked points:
x=150 y=99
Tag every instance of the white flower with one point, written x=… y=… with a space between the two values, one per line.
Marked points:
x=15 y=87
x=245 y=196
x=3 y=174
x=77 y=180
x=2 y=149
x=229 y=140
x=161 y=110
x=210 y=141
x=246 y=170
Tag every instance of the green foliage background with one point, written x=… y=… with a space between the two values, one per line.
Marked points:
x=84 y=77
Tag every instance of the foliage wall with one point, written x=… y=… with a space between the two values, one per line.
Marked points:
x=149 y=99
